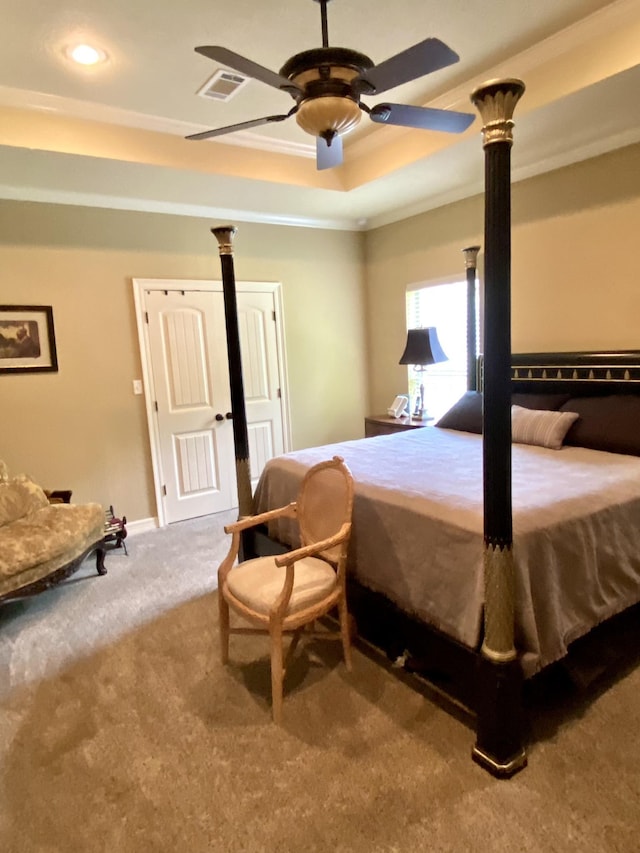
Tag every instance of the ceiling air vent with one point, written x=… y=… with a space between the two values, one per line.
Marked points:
x=222 y=86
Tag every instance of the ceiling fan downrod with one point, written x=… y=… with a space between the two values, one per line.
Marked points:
x=323 y=17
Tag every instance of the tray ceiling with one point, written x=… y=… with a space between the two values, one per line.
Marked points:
x=113 y=135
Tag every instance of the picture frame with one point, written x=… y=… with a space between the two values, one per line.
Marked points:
x=27 y=339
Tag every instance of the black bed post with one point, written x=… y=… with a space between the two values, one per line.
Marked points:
x=499 y=745
x=470 y=261
x=224 y=235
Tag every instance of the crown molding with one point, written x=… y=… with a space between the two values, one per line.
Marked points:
x=174 y=208
x=91 y=111
x=591 y=28
x=519 y=173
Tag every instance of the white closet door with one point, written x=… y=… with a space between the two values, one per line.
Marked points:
x=191 y=380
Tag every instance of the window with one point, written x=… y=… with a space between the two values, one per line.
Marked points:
x=445 y=307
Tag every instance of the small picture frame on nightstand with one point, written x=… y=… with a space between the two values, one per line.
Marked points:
x=399 y=407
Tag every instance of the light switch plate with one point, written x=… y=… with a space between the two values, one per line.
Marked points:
x=137 y=386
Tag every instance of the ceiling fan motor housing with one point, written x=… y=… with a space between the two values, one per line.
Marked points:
x=329 y=103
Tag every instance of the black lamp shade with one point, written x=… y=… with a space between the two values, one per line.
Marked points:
x=423 y=347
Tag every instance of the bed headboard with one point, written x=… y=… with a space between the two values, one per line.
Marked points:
x=603 y=388
x=579 y=374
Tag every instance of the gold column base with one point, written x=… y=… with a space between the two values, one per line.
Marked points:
x=499 y=607
x=506 y=770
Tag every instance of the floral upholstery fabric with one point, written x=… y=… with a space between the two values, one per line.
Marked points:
x=37 y=537
x=19 y=498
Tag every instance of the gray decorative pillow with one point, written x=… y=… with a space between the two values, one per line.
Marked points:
x=606 y=423
x=465 y=415
x=540 y=427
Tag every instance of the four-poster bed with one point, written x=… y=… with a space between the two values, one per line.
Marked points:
x=475 y=636
x=415 y=567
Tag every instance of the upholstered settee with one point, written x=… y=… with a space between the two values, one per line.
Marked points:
x=41 y=542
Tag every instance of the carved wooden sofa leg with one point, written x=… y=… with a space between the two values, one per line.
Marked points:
x=100 y=555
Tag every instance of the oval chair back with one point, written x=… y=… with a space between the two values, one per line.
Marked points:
x=325 y=503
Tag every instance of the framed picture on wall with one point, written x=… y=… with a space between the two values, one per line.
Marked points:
x=27 y=339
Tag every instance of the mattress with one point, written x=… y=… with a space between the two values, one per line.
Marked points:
x=418 y=532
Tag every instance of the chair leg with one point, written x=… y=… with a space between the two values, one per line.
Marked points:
x=277 y=673
x=345 y=632
x=223 y=619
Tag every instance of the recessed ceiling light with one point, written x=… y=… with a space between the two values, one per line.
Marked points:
x=84 y=54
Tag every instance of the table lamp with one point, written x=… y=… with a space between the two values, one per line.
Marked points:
x=422 y=348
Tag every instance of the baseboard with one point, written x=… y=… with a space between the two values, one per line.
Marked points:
x=142 y=525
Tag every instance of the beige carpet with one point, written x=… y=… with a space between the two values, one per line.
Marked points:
x=120 y=731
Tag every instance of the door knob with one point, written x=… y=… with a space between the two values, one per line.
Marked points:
x=219 y=417
x=229 y=416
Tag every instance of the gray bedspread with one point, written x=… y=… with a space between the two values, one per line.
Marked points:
x=418 y=532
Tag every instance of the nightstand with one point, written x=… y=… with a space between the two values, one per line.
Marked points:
x=386 y=425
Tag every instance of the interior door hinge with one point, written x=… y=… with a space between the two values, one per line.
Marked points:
x=155 y=403
x=279 y=394
x=164 y=491
x=146 y=317
x=273 y=314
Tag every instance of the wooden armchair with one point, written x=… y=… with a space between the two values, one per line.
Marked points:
x=286 y=594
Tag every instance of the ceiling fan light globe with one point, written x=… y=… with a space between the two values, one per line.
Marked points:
x=328 y=115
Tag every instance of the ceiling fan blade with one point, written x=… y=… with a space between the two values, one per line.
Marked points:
x=328 y=156
x=243 y=125
x=423 y=118
x=248 y=68
x=423 y=58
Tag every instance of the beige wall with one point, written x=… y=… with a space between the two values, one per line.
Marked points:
x=574 y=285
x=82 y=428
x=574 y=264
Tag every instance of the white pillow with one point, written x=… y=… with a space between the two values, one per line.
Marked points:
x=540 y=427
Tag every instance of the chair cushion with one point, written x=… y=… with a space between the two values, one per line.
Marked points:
x=257 y=583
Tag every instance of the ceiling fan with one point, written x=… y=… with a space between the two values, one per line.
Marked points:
x=327 y=83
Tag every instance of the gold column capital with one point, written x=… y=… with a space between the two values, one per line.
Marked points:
x=224 y=235
x=470 y=257
x=496 y=101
